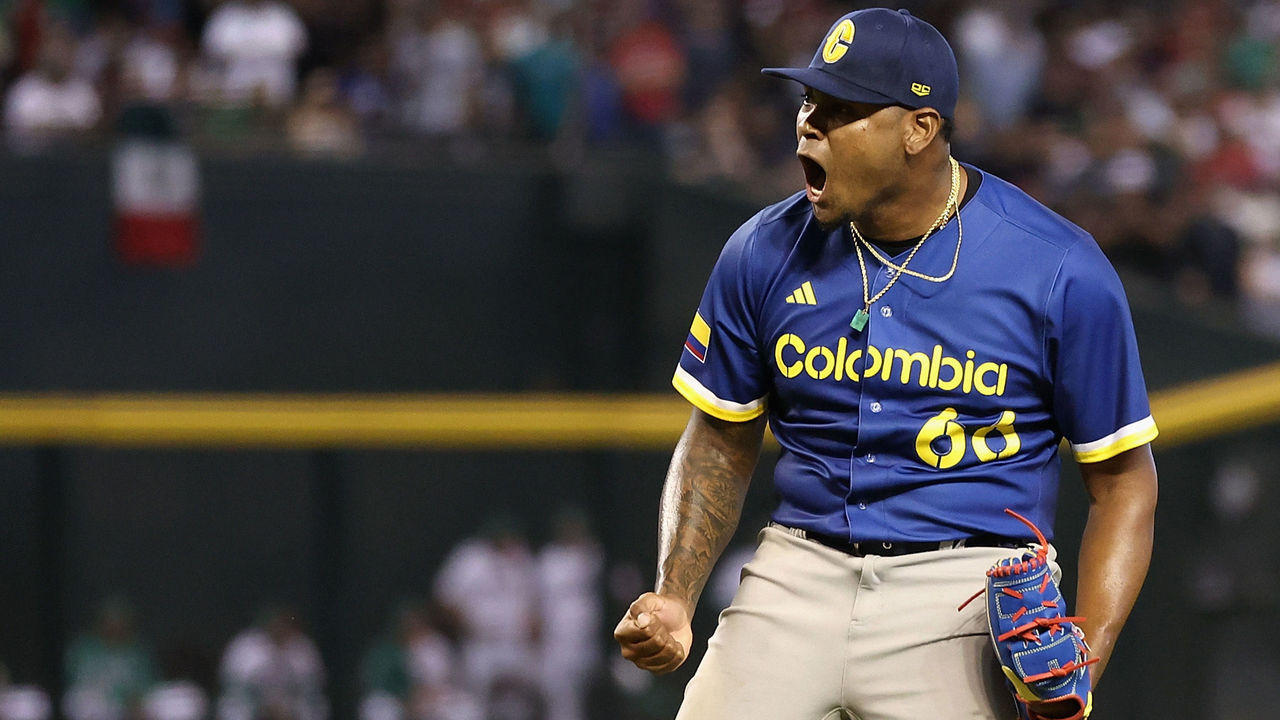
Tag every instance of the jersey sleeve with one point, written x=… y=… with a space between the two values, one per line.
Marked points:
x=720 y=371
x=1100 y=397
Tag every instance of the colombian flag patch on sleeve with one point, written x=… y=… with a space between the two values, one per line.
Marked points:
x=699 y=338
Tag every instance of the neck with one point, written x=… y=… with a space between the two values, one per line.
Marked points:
x=908 y=209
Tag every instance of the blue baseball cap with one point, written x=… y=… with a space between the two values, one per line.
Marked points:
x=883 y=57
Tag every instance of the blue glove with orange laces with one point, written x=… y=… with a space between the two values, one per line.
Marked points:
x=1043 y=654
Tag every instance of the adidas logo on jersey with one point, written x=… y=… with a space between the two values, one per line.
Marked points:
x=803 y=295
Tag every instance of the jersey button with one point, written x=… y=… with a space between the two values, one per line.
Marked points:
x=886 y=311
x=876 y=407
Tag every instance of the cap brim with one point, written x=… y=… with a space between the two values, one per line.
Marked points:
x=833 y=85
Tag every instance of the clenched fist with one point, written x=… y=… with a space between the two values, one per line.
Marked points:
x=655 y=633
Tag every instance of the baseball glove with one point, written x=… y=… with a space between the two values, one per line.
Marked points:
x=1043 y=654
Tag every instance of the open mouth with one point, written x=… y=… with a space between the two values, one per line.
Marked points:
x=815 y=177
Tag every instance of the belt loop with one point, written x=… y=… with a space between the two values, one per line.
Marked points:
x=797 y=532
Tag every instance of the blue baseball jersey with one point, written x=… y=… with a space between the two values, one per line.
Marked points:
x=951 y=403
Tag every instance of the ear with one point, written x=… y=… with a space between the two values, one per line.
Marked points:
x=919 y=128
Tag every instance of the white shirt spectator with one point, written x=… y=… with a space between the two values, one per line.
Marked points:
x=39 y=105
x=150 y=68
x=493 y=589
x=440 y=67
x=266 y=671
x=1003 y=54
x=569 y=574
x=257 y=43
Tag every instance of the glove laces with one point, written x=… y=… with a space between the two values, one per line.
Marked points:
x=1031 y=631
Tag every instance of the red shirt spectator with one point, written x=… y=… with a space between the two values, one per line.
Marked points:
x=650 y=66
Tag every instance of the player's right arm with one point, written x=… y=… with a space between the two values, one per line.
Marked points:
x=702 y=501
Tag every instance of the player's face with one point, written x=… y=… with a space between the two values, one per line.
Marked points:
x=851 y=154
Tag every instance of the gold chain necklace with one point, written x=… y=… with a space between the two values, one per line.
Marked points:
x=859 y=321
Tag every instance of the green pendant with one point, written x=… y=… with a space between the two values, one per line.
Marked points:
x=859 y=320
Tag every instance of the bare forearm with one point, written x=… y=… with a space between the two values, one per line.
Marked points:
x=1116 y=549
x=702 y=501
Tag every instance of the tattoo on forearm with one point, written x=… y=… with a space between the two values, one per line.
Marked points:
x=702 y=501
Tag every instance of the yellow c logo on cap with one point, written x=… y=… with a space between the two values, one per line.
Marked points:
x=838 y=41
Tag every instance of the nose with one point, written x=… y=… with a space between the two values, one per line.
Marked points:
x=806 y=128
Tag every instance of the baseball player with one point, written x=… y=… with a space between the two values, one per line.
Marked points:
x=919 y=335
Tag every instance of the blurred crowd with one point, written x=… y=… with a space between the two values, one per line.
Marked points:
x=1152 y=124
x=505 y=633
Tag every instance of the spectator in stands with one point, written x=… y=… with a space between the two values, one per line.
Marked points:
x=151 y=68
x=364 y=84
x=273 y=670
x=50 y=102
x=706 y=31
x=411 y=673
x=254 y=46
x=597 y=113
x=1001 y=53
x=438 y=65
x=98 y=49
x=27 y=21
x=489 y=584
x=24 y=702
x=109 y=669
x=543 y=79
x=650 y=65
x=571 y=591
x=320 y=125
x=176 y=700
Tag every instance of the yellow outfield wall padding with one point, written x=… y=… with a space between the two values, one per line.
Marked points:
x=1185 y=414
x=408 y=421
x=1217 y=406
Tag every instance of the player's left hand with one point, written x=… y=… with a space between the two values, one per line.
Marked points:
x=1041 y=649
x=655 y=634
